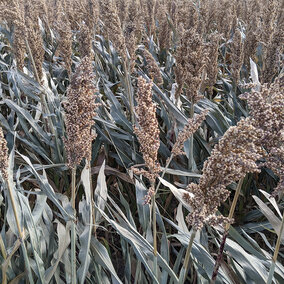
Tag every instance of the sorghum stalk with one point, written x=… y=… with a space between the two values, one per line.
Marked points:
x=227 y=227
x=191 y=158
x=15 y=210
x=164 y=172
x=80 y=110
x=184 y=269
x=92 y=206
x=4 y=254
x=276 y=251
x=155 y=251
x=147 y=133
x=73 y=227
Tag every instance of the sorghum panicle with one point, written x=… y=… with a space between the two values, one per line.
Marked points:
x=34 y=35
x=152 y=67
x=164 y=32
x=3 y=156
x=186 y=15
x=212 y=61
x=148 y=7
x=192 y=125
x=267 y=112
x=224 y=19
x=63 y=28
x=80 y=110
x=231 y=159
x=237 y=55
x=190 y=64
x=274 y=52
x=13 y=13
x=268 y=16
x=85 y=40
x=132 y=31
x=122 y=9
x=148 y=130
x=112 y=26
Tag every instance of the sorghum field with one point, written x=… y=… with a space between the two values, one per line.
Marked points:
x=142 y=141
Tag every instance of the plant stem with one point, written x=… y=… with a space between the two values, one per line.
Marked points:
x=92 y=205
x=73 y=228
x=155 y=250
x=21 y=236
x=219 y=257
x=184 y=269
x=226 y=232
x=276 y=251
x=236 y=197
x=164 y=172
x=191 y=157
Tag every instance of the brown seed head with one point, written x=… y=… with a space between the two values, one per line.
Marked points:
x=152 y=67
x=122 y=9
x=274 y=52
x=232 y=158
x=186 y=15
x=34 y=35
x=252 y=36
x=267 y=112
x=132 y=31
x=148 y=130
x=112 y=26
x=85 y=40
x=164 y=32
x=63 y=28
x=148 y=8
x=13 y=13
x=224 y=17
x=212 y=61
x=80 y=110
x=192 y=125
x=3 y=156
x=268 y=23
x=190 y=64
x=237 y=55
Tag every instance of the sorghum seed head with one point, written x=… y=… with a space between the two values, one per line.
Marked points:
x=232 y=158
x=192 y=125
x=3 y=156
x=152 y=67
x=148 y=130
x=80 y=110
